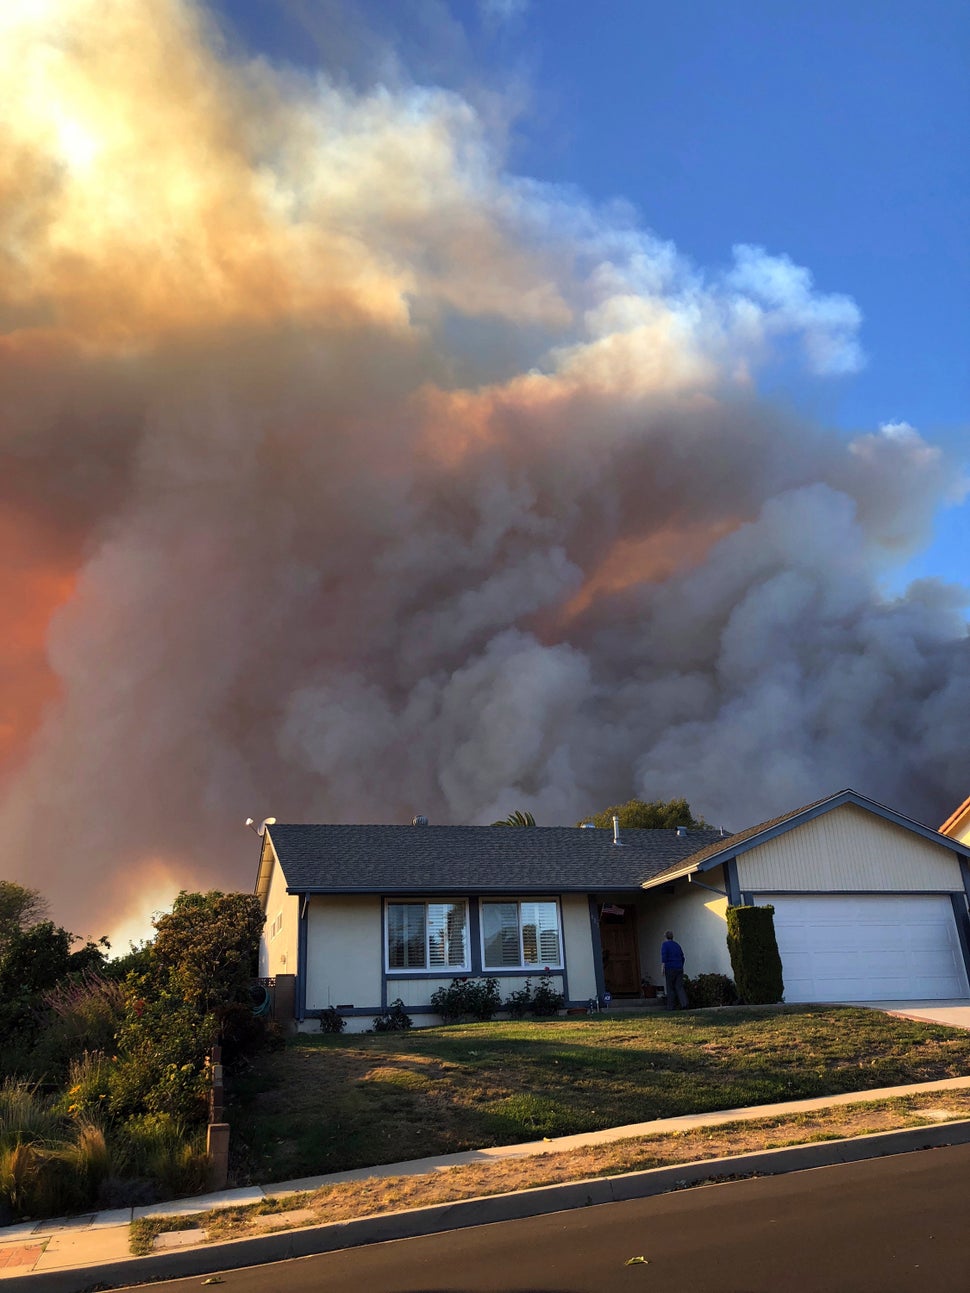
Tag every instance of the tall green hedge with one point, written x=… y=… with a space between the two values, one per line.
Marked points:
x=754 y=954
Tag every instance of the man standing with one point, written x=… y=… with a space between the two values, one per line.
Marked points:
x=672 y=956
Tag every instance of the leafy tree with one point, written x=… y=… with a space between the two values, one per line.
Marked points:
x=637 y=815
x=137 y=960
x=20 y=908
x=33 y=961
x=189 y=988
x=518 y=818
x=207 y=948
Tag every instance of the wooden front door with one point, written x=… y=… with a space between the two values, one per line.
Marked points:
x=621 y=957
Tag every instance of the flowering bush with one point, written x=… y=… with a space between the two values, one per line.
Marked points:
x=466 y=999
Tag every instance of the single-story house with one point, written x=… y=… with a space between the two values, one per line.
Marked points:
x=869 y=905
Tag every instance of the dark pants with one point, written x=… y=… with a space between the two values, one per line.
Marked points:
x=674 y=979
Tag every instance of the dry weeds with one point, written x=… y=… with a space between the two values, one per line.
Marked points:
x=378 y=1194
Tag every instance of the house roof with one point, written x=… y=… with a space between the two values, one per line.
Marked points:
x=723 y=850
x=960 y=817
x=471 y=859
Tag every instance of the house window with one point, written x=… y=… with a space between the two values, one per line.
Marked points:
x=521 y=935
x=276 y=926
x=427 y=936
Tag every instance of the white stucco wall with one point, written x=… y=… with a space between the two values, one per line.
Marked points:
x=849 y=849
x=344 y=951
x=578 y=944
x=698 y=919
x=278 y=952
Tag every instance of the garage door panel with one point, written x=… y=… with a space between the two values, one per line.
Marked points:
x=869 y=947
x=926 y=938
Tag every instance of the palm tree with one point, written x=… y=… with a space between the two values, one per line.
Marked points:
x=518 y=818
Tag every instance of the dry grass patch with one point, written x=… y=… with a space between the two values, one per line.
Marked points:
x=352 y=1199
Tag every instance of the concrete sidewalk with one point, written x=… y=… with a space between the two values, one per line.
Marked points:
x=955 y=1014
x=71 y=1253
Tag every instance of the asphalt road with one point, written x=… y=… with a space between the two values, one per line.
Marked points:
x=890 y=1225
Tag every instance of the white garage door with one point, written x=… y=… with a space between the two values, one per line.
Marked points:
x=868 y=948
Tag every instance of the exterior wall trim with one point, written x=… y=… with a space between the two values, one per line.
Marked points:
x=594 y=929
x=962 y=921
x=301 y=968
x=731 y=882
x=851 y=893
x=965 y=876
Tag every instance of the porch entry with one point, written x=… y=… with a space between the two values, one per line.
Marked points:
x=621 y=953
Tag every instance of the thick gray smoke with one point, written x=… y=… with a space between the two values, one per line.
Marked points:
x=362 y=479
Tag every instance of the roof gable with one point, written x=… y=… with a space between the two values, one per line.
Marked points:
x=721 y=851
x=472 y=859
x=958 y=821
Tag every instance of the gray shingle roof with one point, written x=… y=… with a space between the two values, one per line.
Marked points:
x=467 y=859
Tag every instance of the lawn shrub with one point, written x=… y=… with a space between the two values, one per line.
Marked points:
x=395 y=1019
x=466 y=999
x=542 y=1000
x=754 y=954
x=241 y=1033
x=162 y=1060
x=519 y=1002
x=710 y=990
x=547 y=1000
x=331 y=1021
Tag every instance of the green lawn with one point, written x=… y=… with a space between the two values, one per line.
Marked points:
x=328 y=1103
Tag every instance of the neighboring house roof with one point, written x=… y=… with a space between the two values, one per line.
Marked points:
x=471 y=859
x=958 y=820
x=723 y=850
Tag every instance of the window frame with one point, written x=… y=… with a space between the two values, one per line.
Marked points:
x=531 y=967
x=428 y=970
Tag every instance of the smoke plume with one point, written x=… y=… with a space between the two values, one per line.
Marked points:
x=346 y=475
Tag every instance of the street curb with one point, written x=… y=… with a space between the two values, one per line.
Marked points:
x=488 y=1210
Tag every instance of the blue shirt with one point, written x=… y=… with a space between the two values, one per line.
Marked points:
x=672 y=955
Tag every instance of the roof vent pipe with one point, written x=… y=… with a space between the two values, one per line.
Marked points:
x=682 y=832
x=616 y=830
x=419 y=821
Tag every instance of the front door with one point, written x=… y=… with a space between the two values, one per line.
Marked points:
x=621 y=958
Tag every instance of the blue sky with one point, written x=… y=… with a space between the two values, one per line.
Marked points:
x=836 y=133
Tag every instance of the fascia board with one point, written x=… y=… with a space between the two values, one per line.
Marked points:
x=826 y=806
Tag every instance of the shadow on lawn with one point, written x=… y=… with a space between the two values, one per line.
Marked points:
x=358 y=1100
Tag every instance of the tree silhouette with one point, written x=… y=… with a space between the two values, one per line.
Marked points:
x=518 y=818
x=637 y=815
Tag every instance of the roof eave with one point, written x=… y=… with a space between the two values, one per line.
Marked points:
x=844 y=797
x=466 y=890
x=960 y=817
x=267 y=860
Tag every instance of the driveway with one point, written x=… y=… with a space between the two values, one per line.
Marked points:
x=954 y=1013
